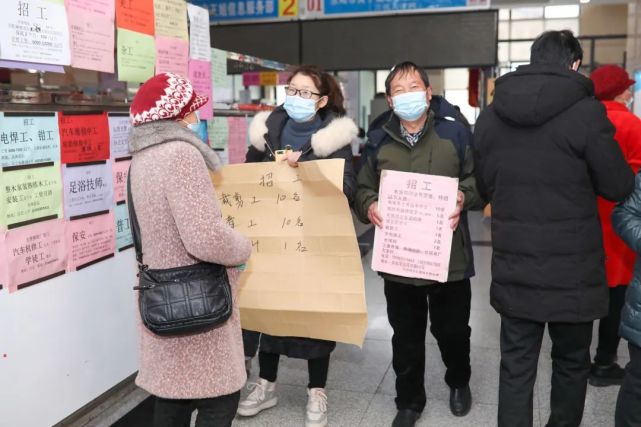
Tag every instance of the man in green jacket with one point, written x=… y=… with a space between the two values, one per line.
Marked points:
x=424 y=134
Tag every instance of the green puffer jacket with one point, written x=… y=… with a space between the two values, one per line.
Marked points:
x=445 y=149
x=626 y=220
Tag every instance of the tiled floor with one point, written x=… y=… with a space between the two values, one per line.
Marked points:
x=361 y=381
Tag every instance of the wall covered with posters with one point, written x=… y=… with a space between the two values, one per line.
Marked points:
x=67 y=267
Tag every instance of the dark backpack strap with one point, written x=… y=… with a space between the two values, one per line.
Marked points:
x=135 y=228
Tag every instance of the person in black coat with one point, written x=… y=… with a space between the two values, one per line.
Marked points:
x=544 y=151
x=313 y=125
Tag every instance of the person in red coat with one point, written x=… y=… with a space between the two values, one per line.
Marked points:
x=612 y=87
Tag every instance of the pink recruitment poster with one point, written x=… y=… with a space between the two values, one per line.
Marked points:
x=121 y=171
x=237 y=144
x=35 y=253
x=200 y=77
x=104 y=8
x=172 y=55
x=92 y=40
x=416 y=239
x=3 y=261
x=91 y=240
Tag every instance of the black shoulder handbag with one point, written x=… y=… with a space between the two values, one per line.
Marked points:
x=182 y=300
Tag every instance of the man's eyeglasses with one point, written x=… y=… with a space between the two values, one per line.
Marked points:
x=304 y=93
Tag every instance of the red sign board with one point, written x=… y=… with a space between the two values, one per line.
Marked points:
x=83 y=137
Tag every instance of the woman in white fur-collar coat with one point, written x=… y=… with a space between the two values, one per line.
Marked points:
x=312 y=123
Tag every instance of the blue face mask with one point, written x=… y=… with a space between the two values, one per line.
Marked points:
x=299 y=109
x=410 y=106
x=194 y=127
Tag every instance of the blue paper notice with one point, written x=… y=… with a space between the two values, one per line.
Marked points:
x=28 y=139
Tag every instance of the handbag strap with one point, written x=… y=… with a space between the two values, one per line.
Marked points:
x=135 y=228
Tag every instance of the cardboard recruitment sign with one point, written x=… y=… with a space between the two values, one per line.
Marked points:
x=305 y=276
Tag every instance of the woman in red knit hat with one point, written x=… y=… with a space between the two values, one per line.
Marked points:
x=180 y=225
x=612 y=87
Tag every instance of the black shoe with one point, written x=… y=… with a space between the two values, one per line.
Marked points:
x=460 y=401
x=406 y=418
x=606 y=375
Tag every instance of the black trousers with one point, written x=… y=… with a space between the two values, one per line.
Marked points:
x=606 y=352
x=318 y=369
x=251 y=340
x=214 y=412
x=407 y=310
x=628 y=412
x=520 y=347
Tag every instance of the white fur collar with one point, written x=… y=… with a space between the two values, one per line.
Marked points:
x=337 y=134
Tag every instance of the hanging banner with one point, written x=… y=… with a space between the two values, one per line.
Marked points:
x=136 y=55
x=119 y=128
x=135 y=15
x=88 y=189
x=171 y=18
x=237 y=139
x=172 y=55
x=124 y=240
x=199 y=36
x=90 y=240
x=34 y=31
x=200 y=77
x=416 y=240
x=30 y=195
x=299 y=218
x=218 y=130
x=120 y=174
x=92 y=40
x=84 y=137
x=27 y=139
x=35 y=254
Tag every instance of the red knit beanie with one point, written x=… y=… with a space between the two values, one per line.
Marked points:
x=165 y=96
x=610 y=81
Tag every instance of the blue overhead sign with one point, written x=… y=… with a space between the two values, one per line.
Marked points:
x=335 y=7
x=239 y=10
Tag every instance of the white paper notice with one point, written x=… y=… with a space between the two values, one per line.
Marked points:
x=416 y=239
x=199 y=38
x=34 y=31
x=221 y=82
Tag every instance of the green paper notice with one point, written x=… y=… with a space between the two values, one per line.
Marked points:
x=136 y=56
x=30 y=194
x=218 y=130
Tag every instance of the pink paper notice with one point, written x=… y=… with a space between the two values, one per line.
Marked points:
x=200 y=76
x=92 y=40
x=90 y=240
x=237 y=144
x=121 y=171
x=34 y=253
x=416 y=239
x=172 y=55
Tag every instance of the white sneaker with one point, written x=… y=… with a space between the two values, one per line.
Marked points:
x=316 y=408
x=262 y=396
